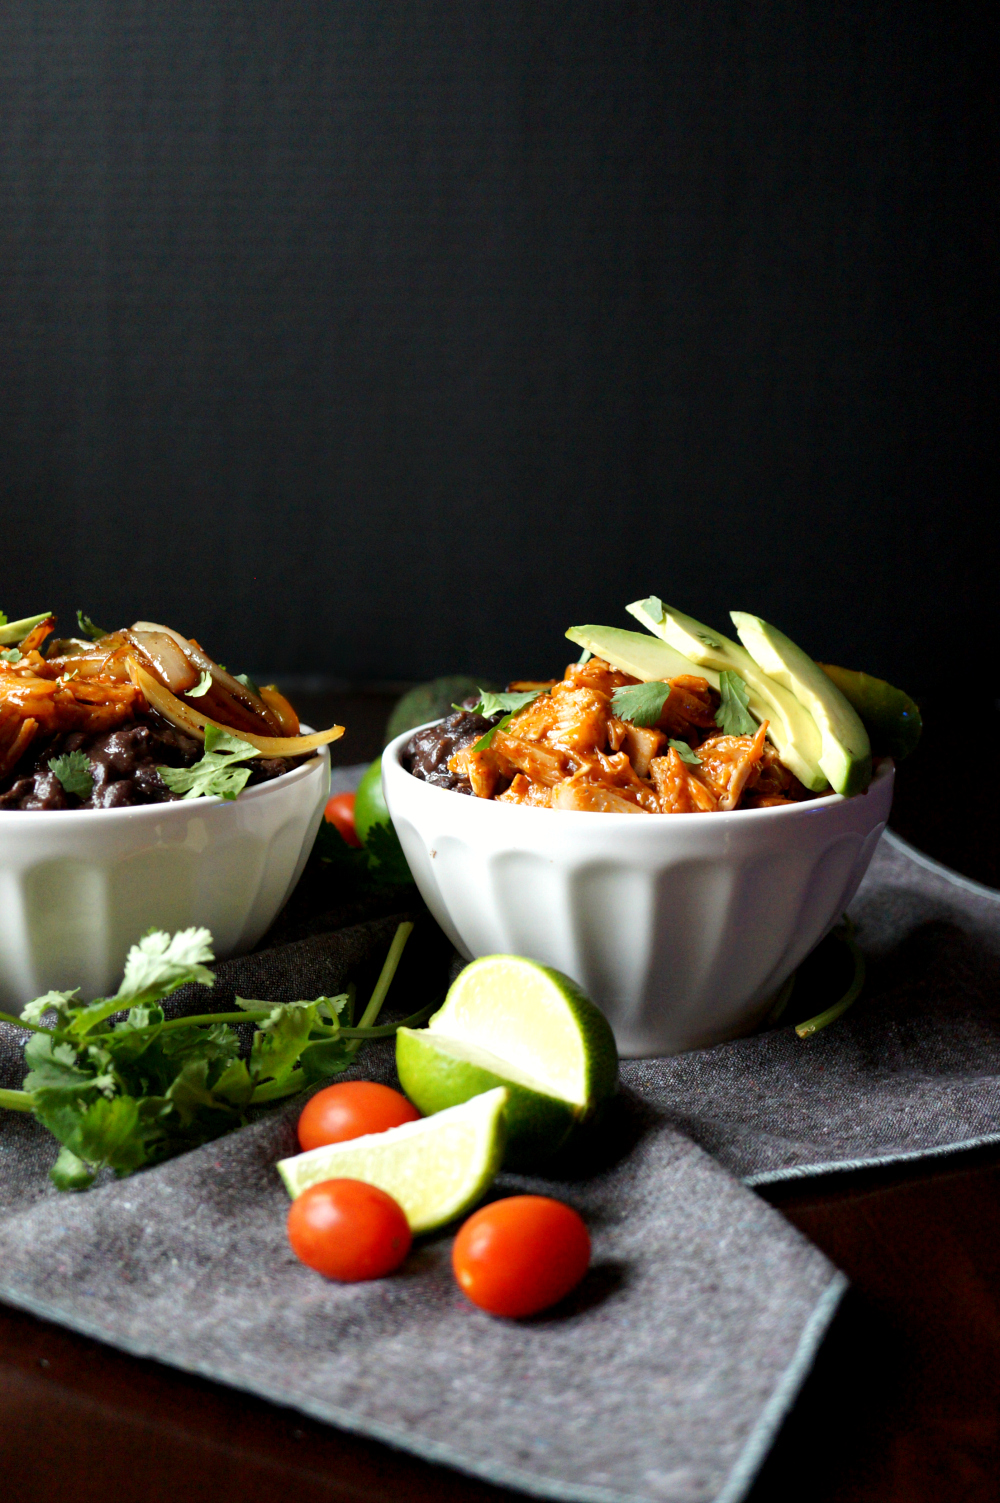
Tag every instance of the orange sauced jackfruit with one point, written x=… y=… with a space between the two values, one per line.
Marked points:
x=569 y=750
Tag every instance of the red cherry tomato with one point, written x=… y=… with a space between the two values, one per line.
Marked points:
x=520 y=1255
x=348 y=1230
x=351 y=1110
x=340 y=813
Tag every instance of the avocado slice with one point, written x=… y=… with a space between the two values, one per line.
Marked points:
x=892 y=718
x=645 y=658
x=16 y=631
x=847 y=754
x=791 y=727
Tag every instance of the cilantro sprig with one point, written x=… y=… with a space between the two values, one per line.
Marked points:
x=654 y=608
x=503 y=704
x=219 y=773
x=642 y=704
x=11 y=655
x=379 y=863
x=74 y=772
x=89 y=628
x=732 y=715
x=506 y=705
x=124 y=1092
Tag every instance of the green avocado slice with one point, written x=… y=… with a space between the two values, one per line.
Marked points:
x=791 y=727
x=645 y=658
x=16 y=631
x=892 y=718
x=847 y=754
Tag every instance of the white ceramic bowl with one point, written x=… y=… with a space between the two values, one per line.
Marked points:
x=79 y=886
x=681 y=927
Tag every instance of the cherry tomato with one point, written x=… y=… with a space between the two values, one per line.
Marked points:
x=348 y=1230
x=520 y=1255
x=340 y=813
x=351 y=1110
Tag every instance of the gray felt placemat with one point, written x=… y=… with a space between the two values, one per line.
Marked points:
x=911 y=1070
x=667 y=1375
x=664 y=1378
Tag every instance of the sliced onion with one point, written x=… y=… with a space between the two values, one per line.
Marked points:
x=200 y=659
x=173 y=666
x=188 y=719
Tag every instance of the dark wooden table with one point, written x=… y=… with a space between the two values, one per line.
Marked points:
x=902 y=1406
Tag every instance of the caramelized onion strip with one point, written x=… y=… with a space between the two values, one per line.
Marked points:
x=188 y=719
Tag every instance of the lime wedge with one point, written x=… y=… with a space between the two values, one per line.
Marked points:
x=512 y=1022
x=436 y=1168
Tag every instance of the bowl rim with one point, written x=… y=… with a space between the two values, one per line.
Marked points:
x=885 y=770
x=172 y=808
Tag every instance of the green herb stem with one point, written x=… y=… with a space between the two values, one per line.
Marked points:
x=17 y=1101
x=296 y=1081
x=272 y=1091
x=386 y=1030
x=831 y=1014
x=199 y=1020
x=8 y=1017
x=384 y=981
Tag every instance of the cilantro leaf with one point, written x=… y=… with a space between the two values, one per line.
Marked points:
x=485 y=742
x=234 y=1084
x=70 y=1173
x=201 y=687
x=11 y=655
x=154 y=968
x=732 y=715
x=218 y=774
x=56 y=1067
x=60 y=1001
x=161 y=962
x=507 y=705
x=686 y=753
x=96 y=1134
x=247 y=682
x=385 y=855
x=279 y=1041
x=74 y=772
x=87 y=627
x=654 y=608
x=137 y=1092
x=324 y=1058
x=642 y=704
x=504 y=704
x=380 y=863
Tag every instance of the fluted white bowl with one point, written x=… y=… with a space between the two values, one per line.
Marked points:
x=682 y=927
x=79 y=886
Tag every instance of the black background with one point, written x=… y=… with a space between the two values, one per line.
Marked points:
x=377 y=340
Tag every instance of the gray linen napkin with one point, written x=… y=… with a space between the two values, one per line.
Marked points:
x=666 y=1376
x=912 y=1069
x=663 y=1378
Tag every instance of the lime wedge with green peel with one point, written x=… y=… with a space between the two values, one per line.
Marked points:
x=512 y=1022
x=436 y=1169
x=369 y=802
